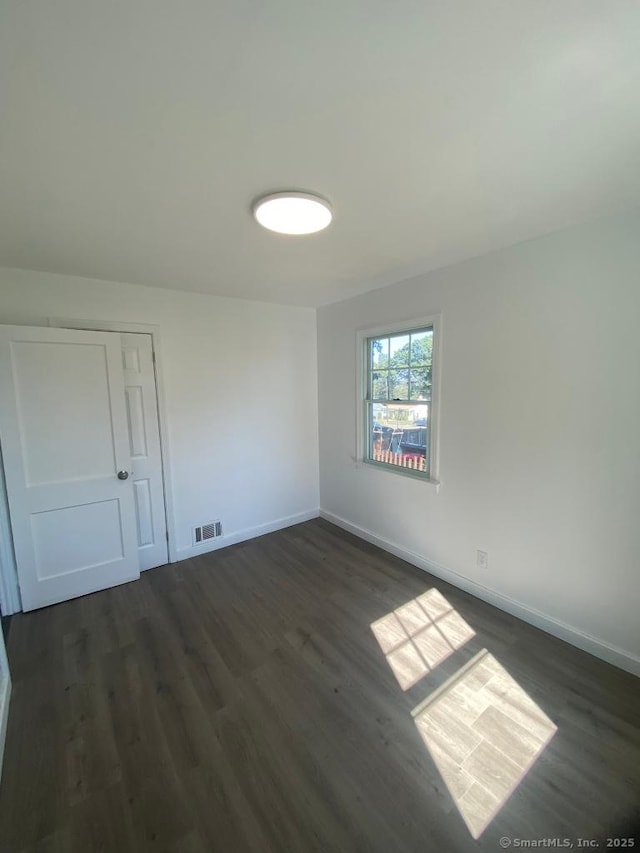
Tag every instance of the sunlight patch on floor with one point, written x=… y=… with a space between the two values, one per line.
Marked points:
x=484 y=733
x=482 y=730
x=418 y=636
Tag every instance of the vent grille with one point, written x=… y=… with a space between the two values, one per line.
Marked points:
x=211 y=530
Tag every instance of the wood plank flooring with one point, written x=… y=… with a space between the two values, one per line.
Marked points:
x=241 y=701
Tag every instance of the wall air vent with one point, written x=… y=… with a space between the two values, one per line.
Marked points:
x=211 y=530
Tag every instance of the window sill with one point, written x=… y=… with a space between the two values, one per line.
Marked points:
x=395 y=469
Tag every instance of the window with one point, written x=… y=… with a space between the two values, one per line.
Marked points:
x=398 y=404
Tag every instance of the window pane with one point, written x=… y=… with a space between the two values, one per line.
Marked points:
x=399 y=384
x=375 y=427
x=421 y=347
x=420 y=384
x=380 y=352
x=399 y=351
x=398 y=435
x=379 y=385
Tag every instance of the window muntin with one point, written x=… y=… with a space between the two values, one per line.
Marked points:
x=398 y=400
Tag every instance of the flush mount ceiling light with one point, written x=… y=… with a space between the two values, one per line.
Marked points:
x=292 y=212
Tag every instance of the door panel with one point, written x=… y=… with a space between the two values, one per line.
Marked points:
x=142 y=495
x=43 y=401
x=58 y=548
x=137 y=426
x=63 y=428
x=144 y=447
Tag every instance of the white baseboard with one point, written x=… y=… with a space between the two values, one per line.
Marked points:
x=5 y=695
x=243 y=535
x=610 y=654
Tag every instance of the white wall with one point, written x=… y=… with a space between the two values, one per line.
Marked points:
x=240 y=389
x=539 y=432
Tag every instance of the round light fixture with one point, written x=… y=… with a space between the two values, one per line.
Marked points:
x=292 y=212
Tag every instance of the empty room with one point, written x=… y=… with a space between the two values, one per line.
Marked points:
x=319 y=426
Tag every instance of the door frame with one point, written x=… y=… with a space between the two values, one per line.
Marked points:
x=10 y=600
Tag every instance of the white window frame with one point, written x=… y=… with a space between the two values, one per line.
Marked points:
x=362 y=362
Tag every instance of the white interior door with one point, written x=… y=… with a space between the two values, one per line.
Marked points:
x=144 y=448
x=64 y=435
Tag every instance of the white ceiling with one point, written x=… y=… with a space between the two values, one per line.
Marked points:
x=136 y=133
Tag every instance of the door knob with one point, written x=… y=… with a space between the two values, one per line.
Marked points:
x=122 y=475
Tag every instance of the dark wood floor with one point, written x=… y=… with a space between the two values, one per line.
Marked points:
x=241 y=701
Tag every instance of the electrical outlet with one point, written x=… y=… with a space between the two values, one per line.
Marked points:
x=482 y=559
